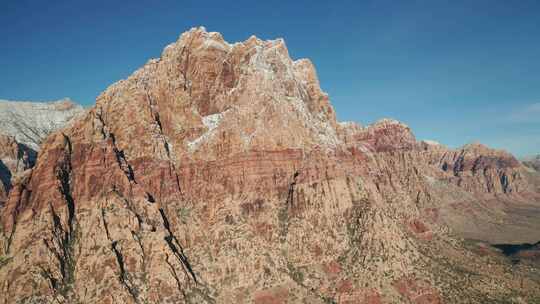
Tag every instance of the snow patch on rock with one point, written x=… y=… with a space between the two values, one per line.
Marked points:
x=387 y=121
x=349 y=124
x=318 y=124
x=211 y=122
x=213 y=44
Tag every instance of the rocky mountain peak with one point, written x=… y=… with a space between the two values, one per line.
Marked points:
x=496 y=158
x=65 y=104
x=203 y=87
x=380 y=136
x=218 y=173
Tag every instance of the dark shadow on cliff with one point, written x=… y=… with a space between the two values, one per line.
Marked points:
x=512 y=249
x=5 y=176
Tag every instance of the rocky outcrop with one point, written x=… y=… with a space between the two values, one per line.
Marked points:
x=382 y=136
x=31 y=122
x=476 y=167
x=218 y=173
x=23 y=127
x=14 y=159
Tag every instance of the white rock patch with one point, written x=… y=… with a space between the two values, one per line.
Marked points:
x=211 y=122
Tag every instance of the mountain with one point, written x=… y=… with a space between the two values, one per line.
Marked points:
x=218 y=173
x=31 y=122
x=23 y=127
x=532 y=162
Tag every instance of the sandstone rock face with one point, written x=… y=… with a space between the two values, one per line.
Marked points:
x=23 y=127
x=219 y=174
x=383 y=136
x=31 y=122
x=14 y=159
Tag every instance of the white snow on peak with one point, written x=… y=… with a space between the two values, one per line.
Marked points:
x=431 y=142
x=318 y=124
x=214 y=44
x=198 y=28
x=302 y=61
x=347 y=124
x=388 y=121
x=212 y=121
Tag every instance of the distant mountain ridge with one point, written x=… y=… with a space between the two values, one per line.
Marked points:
x=24 y=126
x=532 y=162
x=31 y=122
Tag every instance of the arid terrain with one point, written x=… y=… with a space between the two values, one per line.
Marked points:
x=218 y=173
x=532 y=162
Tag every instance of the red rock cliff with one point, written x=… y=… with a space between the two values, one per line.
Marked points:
x=218 y=173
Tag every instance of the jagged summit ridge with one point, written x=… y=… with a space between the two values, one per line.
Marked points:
x=258 y=92
x=254 y=92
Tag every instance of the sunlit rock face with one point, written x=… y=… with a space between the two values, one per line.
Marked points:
x=219 y=174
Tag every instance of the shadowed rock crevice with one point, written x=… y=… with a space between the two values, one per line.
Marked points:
x=15 y=161
x=154 y=112
x=174 y=274
x=63 y=236
x=62 y=246
x=285 y=209
x=123 y=276
x=63 y=175
x=121 y=160
x=176 y=248
x=357 y=220
x=184 y=58
x=21 y=194
x=129 y=206
x=5 y=176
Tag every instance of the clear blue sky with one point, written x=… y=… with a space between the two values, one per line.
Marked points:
x=455 y=71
